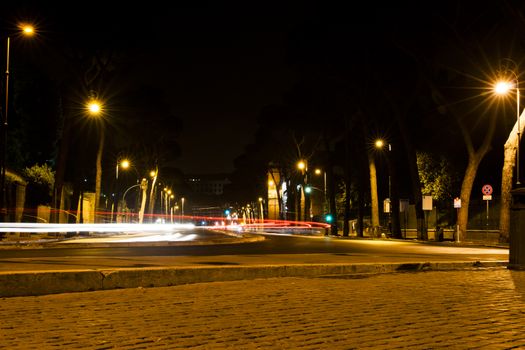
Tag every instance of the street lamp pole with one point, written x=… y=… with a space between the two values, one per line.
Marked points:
x=502 y=88
x=380 y=144
x=518 y=124
x=261 y=208
x=4 y=136
x=27 y=30
x=182 y=210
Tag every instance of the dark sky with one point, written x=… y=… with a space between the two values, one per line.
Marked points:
x=218 y=62
x=219 y=66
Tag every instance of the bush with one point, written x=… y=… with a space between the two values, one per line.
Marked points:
x=41 y=179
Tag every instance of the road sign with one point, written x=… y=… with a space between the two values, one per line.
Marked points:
x=487 y=197
x=486 y=190
x=427 y=202
x=457 y=202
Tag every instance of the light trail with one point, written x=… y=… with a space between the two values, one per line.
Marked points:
x=100 y=228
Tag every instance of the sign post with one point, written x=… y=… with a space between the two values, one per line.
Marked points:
x=487 y=196
x=457 y=205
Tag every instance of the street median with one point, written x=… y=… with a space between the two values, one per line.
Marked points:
x=51 y=282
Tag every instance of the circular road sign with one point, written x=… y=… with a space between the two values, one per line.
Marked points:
x=486 y=190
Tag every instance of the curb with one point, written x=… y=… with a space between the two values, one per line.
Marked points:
x=53 y=282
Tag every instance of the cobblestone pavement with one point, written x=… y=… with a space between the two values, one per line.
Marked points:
x=425 y=310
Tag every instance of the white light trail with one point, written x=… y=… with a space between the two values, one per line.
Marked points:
x=100 y=228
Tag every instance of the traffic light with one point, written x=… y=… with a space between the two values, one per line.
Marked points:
x=328 y=218
x=227 y=212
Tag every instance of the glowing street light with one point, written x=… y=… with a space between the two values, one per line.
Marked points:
x=124 y=164
x=94 y=108
x=303 y=166
x=503 y=88
x=379 y=143
x=261 y=209
x=26 y=30
x=318 y=172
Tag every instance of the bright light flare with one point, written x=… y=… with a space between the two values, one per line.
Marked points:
x=94 y=107
x=502 y=87
x=124 y=164
x=27 y=29
x=379 y=143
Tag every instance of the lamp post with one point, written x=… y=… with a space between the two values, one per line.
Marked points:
x=303 y=166
x=26 y=30
x=126 y=192
x=325 y=201
x=182 y=209
x=124 y=164
x=380 y=144
x=94 y=108
x=261 y=209
x=154 y=176
x=502 y=88
x=171 y=208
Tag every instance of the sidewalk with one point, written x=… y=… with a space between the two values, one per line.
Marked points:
x=482 y=309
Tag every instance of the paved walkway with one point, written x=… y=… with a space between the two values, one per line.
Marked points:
x=482 y=309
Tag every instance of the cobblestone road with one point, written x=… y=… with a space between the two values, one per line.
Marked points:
x=425 y=310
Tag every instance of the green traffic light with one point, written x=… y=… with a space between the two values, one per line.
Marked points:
x=328 y=218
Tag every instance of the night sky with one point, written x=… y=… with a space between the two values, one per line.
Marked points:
x=219 y=62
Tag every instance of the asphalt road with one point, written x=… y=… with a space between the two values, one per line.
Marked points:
x=257 y=249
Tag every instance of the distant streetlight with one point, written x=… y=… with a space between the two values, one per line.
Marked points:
x=318 y=172
x=380 y=144
x=261 y=208
x=26 y=30
x=154 y=174
x=182 y=210
x=124 y=164
x=503 y=88
x=303 y=166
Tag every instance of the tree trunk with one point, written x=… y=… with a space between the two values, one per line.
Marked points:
x=346 y=224
x=466 y=190
x=373 y=193
x=98 y=180
x=153 y=194
x=509 y=161
x=360 y=209
x=143 y=197
x=63 y=150
x=394 y=200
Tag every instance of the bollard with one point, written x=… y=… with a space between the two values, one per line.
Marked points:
x=517 y=230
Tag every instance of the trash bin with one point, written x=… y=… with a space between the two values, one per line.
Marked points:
x=517 y=230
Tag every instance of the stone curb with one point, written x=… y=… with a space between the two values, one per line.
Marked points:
x=51 y=282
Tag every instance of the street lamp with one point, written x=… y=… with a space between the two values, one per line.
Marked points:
x=503 y=88
x=26 y=30
x=379 y=145
x=182 y=210
x=95 y=109
x=303 y=166
x=261 y=208
x=124 y=164
x=318 y=172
